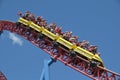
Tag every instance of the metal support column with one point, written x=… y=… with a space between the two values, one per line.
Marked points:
x=45 y=72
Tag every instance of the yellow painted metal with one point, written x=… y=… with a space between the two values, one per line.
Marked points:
x=30 y=24
x=97 y=57
x=65 y=43
x=84 y=52
x=49 y=34
x=57 y=37
x=23 y=21
x=74 y=47
x=36 y=27
x=42 y=29
x=60 y=40
x=88 y=54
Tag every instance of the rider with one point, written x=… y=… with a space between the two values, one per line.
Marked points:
x=73 y=39
x=38 y=20
x=93 y=49
x=28 y=16
x=43 y=23
x=67 y=35
x=51 y=27
x=58 y=30
x=84 y=44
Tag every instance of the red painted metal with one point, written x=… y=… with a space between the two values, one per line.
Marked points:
x=2 y=76
x=59 y=53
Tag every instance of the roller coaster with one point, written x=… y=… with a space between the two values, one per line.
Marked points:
x=2 y=76
x=59 y=48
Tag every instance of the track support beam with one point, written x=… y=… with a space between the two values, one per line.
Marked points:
x=45 y=72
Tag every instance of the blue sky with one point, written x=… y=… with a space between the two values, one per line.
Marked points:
x=97 y=21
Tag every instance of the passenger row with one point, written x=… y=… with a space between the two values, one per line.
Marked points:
x=52 y=27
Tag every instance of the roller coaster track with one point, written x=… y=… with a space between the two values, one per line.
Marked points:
x=59 y=53
x=2 y=77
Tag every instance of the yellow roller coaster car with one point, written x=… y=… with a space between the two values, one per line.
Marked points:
x=90 y=56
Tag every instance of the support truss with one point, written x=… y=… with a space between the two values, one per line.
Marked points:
x=2 y=76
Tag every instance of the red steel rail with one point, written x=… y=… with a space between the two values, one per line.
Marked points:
x=2 y=76
x=60 y=53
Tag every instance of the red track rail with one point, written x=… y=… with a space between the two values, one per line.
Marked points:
x=2 y=77
x=59 y=53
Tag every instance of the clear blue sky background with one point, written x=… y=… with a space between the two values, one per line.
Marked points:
x=97 y=21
